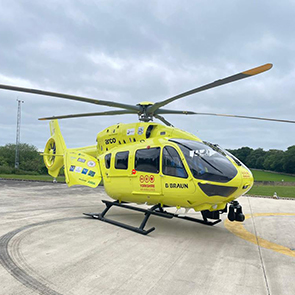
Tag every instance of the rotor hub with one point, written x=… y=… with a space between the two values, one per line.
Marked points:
x=143 y=114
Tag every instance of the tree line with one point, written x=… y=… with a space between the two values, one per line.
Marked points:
x=31 y=162
x=273 y=160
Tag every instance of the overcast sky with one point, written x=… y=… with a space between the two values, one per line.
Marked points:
x=133 y=51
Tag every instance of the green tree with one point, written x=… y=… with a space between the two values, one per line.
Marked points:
x=242 y=154
x=29 y=157
x=289 y=160
x=256 y=159
x=274 y=161
x=3 y=161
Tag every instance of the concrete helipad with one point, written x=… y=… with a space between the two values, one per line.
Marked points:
x=48 y=247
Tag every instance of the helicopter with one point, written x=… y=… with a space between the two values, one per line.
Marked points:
x=151 y=163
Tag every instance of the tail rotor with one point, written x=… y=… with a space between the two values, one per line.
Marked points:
x=49 y=153
x=54 y=150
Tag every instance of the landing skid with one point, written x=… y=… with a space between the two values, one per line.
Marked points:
x=155 y=210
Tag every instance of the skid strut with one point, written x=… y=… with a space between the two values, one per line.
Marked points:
x=155 y=210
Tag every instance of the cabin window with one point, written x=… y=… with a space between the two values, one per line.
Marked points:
x=172 y=164
x=147 y=160
x=107 y=160
x=121 y=160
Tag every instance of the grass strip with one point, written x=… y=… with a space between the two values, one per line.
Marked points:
x=272 y=176
x=46 y=178
x=269 y=190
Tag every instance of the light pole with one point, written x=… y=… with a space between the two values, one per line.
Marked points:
x=18 y=133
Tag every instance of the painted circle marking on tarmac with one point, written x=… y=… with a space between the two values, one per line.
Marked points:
x=239 y=230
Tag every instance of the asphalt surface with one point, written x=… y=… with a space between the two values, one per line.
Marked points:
x=47 y=246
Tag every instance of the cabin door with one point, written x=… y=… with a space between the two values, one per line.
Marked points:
x=178 y=186
x=147 y=181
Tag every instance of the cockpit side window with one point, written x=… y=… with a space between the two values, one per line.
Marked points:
x=172 y=164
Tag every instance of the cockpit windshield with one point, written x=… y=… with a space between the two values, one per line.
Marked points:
x=206 y=163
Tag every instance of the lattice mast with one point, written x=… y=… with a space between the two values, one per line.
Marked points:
x=19 y=102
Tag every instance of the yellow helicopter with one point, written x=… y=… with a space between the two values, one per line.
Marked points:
x=150 y=163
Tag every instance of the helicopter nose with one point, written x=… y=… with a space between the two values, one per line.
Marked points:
x=247 y=180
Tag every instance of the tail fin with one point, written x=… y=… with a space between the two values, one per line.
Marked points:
x=55 y=149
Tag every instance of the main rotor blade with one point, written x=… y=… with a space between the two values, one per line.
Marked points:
x=163 y=120
x=108 y=113
x=247 y=117
x=163 y=111
x=220 y=82
x=71 y=97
